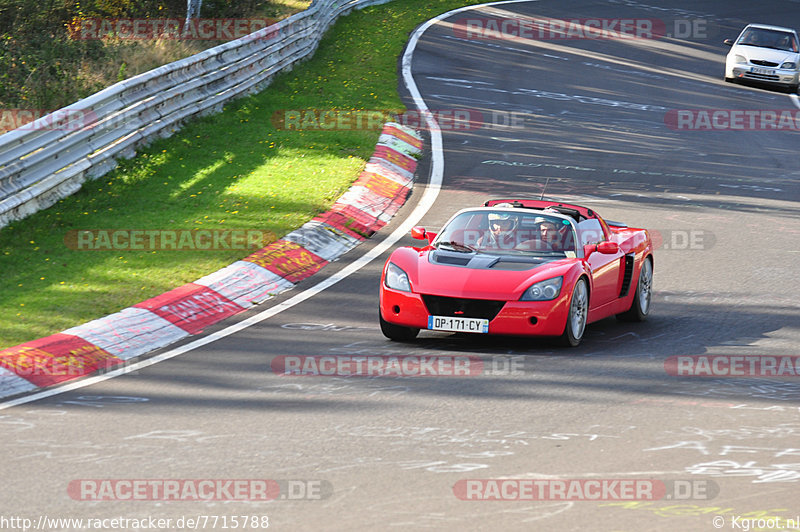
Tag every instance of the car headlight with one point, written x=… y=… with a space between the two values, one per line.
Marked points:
x=543 y=290
x=740 y=58
x=789 y=65
x=396 y=278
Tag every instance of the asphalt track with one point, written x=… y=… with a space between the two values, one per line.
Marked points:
x=389 y=451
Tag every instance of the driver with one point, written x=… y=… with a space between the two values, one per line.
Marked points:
x=501 y=233
x=753 y=39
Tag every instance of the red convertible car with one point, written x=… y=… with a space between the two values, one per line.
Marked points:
x=518 y=267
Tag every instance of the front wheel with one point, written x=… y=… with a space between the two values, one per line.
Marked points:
x=397 y=333
x=578 y=312
x=640 y=307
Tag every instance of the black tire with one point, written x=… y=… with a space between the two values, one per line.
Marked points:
x=729 y=80
x=792 y=89
x=397 y=333
x=578 y=312
x=642 y=298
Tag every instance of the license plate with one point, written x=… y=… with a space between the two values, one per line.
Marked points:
x=449 y=323
x=764 y=71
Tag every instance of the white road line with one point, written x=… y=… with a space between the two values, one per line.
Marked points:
x=795 y=100
x=428 y=198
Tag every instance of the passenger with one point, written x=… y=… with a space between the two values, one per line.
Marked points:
x=548 y=234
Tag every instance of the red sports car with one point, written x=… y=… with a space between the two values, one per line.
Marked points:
x=518 y=267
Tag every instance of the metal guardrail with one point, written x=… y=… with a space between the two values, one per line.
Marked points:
x=50 y=158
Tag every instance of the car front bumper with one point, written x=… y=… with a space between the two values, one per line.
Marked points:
x=763 y=74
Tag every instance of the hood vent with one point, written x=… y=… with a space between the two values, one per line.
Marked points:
x=450 y=258
x=514 y=266
x=481 y=261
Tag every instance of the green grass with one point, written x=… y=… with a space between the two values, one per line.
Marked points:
x=233 y=170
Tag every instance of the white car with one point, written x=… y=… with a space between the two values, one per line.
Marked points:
x=768 y=54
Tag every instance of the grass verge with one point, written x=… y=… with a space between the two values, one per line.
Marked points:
x=233 y=170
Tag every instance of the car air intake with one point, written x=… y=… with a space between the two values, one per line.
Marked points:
x=761 y=62
x=452 y=259
x=463 y=308
x=628 y=275
x=765 y=77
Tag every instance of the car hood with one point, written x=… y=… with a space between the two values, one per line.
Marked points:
x=764 y=54
x=480 y=276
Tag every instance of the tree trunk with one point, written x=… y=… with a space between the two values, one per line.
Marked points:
x=193 y=9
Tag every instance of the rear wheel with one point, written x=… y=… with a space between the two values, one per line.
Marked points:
x=398 y=333
x=578 y=312
x=640 y=307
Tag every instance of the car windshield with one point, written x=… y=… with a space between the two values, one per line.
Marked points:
x=764 y=38
x=506 y=232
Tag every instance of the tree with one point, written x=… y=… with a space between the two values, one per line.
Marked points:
x=192 y=10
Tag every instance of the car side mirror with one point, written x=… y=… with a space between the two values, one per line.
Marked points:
x=419 y=233
x=606 y=248
x=728 y=42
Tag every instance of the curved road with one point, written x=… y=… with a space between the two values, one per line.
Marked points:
x=590 y=118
